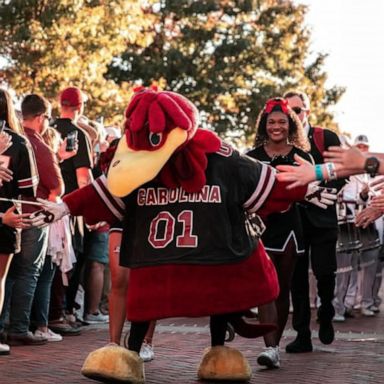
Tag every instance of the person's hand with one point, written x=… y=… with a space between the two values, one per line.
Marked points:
x=364 y=191
x=5 y=142
x=377 y=202
x=367 y=216
x=377 y=185
x=63 y=154
x=50 y=212
x=345 y=158
x=5 y=174
x=320 y=196
x=302 y=174
x=16 y=220
x=95 y=227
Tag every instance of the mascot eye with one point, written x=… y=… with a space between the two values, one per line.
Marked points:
x=155 y=139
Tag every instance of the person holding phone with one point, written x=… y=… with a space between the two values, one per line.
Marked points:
x=76 y=172
x=18 y=177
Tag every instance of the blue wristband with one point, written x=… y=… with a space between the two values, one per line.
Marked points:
x=318 y=172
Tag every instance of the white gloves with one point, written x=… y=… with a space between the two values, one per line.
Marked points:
x=50 y=212
x=320 y=196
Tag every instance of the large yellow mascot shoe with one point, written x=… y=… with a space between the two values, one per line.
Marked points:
x=224 y=363
x=114 y=363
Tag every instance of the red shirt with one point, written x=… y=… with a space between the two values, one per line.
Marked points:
x=47 y=166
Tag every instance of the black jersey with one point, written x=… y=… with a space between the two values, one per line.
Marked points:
x=21 y=162
x=281 y=227
x=171 y=226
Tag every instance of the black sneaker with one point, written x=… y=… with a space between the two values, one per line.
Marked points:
x=348 y=314
x=63 y=328
x=326 y=332
x=299 y=345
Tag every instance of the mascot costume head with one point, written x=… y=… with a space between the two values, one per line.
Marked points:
x=170 y=173
x=162 y=140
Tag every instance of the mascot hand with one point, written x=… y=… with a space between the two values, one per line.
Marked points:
x=51 y=212
x=320 y=196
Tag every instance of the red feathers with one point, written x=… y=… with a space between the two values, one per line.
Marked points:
x=157 y=112
x=151 y=112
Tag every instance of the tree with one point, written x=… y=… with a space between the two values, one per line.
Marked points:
x=50 y=44
x=229 y=56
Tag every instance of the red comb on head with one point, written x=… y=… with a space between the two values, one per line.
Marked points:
x=157 y=112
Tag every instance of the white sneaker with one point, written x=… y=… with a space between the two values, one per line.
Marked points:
x=270 y=357
x=49 y=335
x=367 y=312
x=96 y=318
x=146 y=352
x=374 y=309
x=339 y=318
x=4 y=349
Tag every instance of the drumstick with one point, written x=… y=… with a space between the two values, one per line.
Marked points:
x=21 y=201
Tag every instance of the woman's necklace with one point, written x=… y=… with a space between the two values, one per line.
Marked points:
x=276 y=152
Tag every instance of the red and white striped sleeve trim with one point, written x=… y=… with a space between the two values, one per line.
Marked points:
x=114 y=204
x=115 y=230
x=263 y=189
x=30 y=182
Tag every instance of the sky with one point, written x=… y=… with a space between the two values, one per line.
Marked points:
x=352 y=33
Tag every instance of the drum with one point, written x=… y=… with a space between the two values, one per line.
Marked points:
x=348 y=236
x=369 y=237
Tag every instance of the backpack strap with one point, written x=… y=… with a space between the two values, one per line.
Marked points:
x=318 y=138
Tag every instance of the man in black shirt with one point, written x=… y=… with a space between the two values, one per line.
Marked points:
x=76 y=172
x=320 y=234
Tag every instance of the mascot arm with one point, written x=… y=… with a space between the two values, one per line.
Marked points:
x=95 y=203
x=280 y=198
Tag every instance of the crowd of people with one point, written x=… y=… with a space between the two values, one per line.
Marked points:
x=44 y=269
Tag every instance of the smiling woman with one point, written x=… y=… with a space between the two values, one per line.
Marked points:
x=279 y=136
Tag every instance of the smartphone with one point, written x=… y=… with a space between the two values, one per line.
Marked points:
x=71 y=141
x=2 y=125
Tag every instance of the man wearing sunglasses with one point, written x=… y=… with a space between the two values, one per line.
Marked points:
x=320 y=235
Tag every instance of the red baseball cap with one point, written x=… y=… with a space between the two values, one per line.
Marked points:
x=72 y=97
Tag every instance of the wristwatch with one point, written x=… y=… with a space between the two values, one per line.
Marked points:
x=371 y=166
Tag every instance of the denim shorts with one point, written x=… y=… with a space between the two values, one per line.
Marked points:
x=96 y=246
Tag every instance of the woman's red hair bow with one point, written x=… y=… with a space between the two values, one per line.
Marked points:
x=272 y=103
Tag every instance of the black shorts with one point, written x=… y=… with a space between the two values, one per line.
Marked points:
x=9 y=240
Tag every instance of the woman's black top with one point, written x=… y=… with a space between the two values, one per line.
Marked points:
x=284 y=226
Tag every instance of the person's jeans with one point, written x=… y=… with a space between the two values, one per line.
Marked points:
x=40 y=308
x=25 y=270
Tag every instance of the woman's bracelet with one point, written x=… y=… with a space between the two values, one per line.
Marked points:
x=319 y=172
x=327 y=169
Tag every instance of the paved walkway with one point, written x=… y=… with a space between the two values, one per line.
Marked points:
x=356 y=356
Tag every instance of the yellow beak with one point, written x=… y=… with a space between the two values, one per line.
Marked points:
x=130 y=169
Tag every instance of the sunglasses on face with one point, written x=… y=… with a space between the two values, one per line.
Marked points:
x=298 y=110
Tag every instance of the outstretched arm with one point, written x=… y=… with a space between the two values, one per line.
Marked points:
x=94 y=202
x=351 y=161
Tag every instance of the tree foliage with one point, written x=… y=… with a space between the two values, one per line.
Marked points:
x=230 y=56
x=50 y=44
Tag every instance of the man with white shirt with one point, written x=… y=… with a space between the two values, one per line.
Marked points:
x=369 y=253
